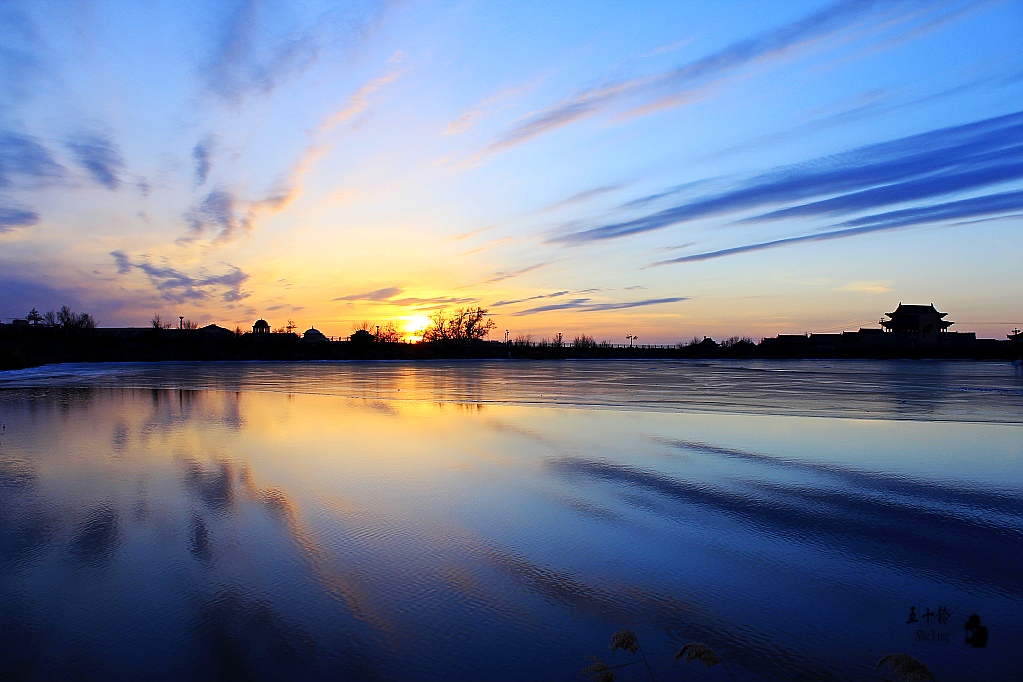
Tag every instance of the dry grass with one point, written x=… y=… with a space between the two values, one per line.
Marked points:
x=598 y=671
x=906 y=667
x=624 y=640
x=697 y=651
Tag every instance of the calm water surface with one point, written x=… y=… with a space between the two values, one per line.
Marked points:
x=499 y=521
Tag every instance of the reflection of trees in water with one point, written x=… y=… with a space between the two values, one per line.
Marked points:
x=65 y=399
x=173 y=407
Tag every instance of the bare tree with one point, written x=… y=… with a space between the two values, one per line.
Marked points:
x=390 y=333
x=291 y=327
x=466 y=324
x=158 y=323
x=584 y=341
x=189 y=324
x=69 y=319
x=523 y=340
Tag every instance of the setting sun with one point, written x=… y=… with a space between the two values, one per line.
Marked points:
x=413 y=327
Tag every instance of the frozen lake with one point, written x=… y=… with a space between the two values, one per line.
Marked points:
x=500 y=520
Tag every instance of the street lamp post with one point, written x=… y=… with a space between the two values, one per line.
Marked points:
x=631 y=338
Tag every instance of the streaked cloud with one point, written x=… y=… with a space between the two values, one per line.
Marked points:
x=179 y=287
x=217 y=211
x=509 y=274
x=99 y=156
x=201 y=154
x=387 y=296
x=923 y=166
x=893 y=220
x=375 y=295
x=868 y=287
x=249 y=55
x=678 y=86
x=556 y=294
x=587 y=305
x=358 y=101
x=26 y=163
x=584 y=196
x=11 y=218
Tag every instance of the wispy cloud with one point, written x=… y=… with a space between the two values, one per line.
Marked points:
x=201 y=154
x=358 y=101
x=99 y=156
x=432 y=303
x=375 y=295
x=679 y=85
x=246 y=59
x=893 y=220
x=26 y=163
x=584 y=196
x=470 y=117
x=20 y=65
x=868 y=287
x=556 y=294
x=11 y=218
x=217 y=211
x=387 y=296
x=586 y=305
x=509 y=274
x=177 y=286
x=222 y=212
x=258 y=46
x=924 y=166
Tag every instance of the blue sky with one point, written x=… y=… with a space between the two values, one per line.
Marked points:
x=658 y=169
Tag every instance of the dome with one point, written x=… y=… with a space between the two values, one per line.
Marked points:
x=313 y=334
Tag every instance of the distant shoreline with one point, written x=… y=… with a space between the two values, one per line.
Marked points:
x=24 y=347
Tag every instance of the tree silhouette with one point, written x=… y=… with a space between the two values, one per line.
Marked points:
x=390 y=333
x=69 y=319
x=466 y=324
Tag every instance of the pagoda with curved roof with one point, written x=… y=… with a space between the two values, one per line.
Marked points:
x=923 y=321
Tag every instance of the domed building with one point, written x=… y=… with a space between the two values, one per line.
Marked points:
x=261 y=327
x=313 y=334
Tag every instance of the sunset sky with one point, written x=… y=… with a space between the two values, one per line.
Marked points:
x=662 y=170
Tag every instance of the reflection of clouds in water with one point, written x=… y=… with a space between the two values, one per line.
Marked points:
x=119 y=439
x=27 y=524
x=214 y=485
x=242 y=638
x=199 y=539
x=22 y=649
x=653 y=609
x=923 y=534
x=989 y=501
x=97 y=538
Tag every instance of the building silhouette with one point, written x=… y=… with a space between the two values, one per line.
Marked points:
x=261 y=327
x=924 y=321
x=313 y=334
